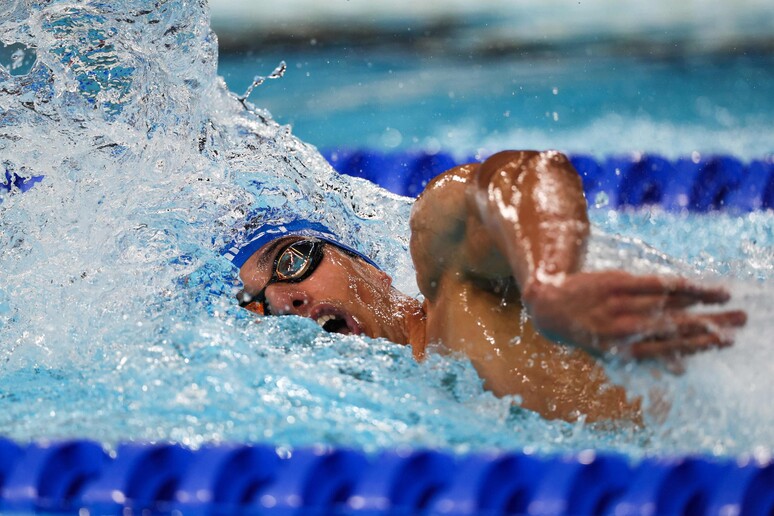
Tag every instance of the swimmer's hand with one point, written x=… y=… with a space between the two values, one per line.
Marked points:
x=639 y=317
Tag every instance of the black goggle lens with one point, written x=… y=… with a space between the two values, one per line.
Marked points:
x=296 y=261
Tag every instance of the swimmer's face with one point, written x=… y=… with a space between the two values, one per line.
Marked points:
x=342 y=293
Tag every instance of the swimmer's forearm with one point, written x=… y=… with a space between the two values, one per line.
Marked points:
x=533 y=205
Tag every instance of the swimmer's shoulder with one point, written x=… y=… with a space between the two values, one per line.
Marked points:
x=444 y=194
x=438 y=221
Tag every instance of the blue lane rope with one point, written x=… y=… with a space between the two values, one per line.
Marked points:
x=10 y=182
x=78 y=475
x=702 y=184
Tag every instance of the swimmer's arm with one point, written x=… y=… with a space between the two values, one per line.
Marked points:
x=446 y=235
x=519 y=214
x=439 y=228
x=522 y=215
x=532 y=206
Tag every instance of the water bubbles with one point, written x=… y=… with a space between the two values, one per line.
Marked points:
x=601 y=200
x=17 y=59
x=391 y=138
x=150 y=165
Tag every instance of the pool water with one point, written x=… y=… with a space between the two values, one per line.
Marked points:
x=598 y=104
x=117 y=316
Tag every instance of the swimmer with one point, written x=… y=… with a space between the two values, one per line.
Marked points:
x=498 y=249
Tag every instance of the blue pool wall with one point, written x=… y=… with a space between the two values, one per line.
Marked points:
x=78 y=475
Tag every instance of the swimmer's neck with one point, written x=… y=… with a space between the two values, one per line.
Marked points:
x=412 y=323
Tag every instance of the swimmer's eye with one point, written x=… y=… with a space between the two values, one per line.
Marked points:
x=298 y=260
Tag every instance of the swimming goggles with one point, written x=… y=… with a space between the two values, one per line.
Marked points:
x=296 y=262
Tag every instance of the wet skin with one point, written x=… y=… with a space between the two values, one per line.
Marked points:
x=344 y=295
x=498 y=248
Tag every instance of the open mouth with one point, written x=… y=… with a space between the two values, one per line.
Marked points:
x=335 y=321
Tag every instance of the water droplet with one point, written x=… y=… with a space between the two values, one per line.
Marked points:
x=601 y=200
x=391 y=138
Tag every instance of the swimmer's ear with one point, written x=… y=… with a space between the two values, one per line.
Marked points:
x=385 y=279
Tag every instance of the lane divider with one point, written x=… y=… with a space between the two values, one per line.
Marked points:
x=12 y=182
x=79 y=476
x=701 y=184
x=706 y=183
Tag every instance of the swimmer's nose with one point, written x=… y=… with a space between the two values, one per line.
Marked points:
x=286 y=299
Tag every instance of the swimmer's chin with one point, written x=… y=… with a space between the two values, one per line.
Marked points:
x=336 y=320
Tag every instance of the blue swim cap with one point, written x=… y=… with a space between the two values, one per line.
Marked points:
x=241 y=249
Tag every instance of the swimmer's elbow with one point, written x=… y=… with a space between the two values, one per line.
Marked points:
x=513 y=163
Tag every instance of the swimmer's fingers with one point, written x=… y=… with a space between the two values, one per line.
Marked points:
x=687 y=324
x=612 y=309
x=651 y=304
x=680 y=291
x=668 y=324
x=728 y=319
x=678 y=346
x=684 y=334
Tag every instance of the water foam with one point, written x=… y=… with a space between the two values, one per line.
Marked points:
x=117 y=318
